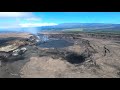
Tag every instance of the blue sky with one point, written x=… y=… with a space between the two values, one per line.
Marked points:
x=80 y=17
x=34 y=19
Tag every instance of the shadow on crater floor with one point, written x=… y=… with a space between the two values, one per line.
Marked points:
x=75 y=58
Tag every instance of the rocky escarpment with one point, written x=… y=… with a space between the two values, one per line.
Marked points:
x=108 y=36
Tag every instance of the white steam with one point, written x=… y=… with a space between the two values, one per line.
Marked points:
x=45 y=38
x=31 y=30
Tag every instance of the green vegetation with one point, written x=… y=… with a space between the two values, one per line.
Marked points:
x=75 y=30
x=100 y=31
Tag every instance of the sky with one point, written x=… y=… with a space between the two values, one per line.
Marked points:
x=35 y=19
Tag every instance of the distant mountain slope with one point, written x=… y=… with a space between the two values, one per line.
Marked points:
x=84 y=26
x=88 y=27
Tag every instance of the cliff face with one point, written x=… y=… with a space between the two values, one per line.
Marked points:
x=87 y=35
x=103 y=36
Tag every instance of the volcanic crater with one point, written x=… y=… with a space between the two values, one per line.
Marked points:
x=58 y=55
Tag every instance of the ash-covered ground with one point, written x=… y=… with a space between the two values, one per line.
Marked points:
x=59 y=55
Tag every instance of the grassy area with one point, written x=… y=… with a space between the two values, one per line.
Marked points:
x=80 y=30
x=75 y=30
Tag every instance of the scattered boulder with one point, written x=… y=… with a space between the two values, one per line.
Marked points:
x=19 y=51
x=15 y=52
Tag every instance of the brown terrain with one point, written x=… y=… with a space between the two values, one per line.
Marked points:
x=63 y=56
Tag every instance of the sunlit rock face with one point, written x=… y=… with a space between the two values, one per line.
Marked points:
x=8 y=48
x=13 y=45
x=12 y=49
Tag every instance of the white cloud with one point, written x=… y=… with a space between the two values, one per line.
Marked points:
x=36 y=24
x=18 y=17
x=15 y=14
x=11 y=26
x=33 y=19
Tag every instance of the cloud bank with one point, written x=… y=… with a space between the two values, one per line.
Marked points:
x=15 y=14
x=33 y=19
x=18 y=17
x=37 y=24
